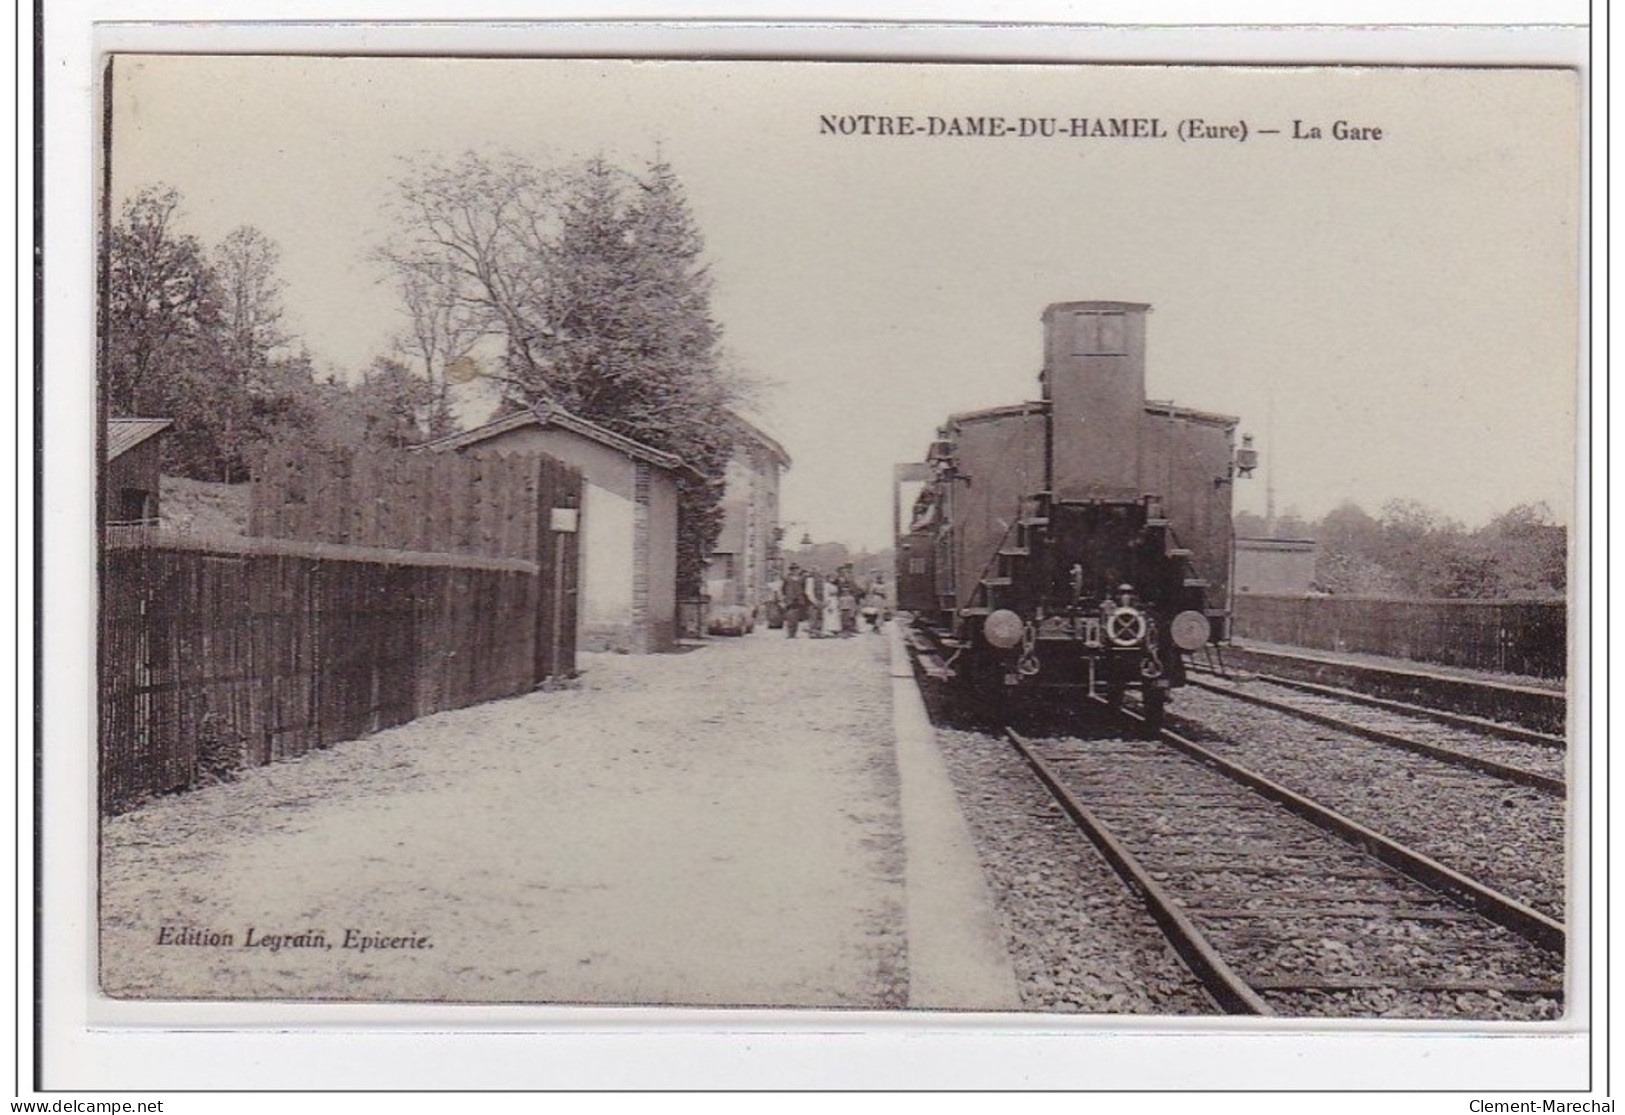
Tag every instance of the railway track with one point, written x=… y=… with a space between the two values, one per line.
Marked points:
x=1516 y=755
x=1281 y=906
x=1464 y=805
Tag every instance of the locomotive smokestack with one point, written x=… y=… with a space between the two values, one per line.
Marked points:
x=1094 y=380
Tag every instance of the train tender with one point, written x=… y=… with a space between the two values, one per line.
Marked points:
x=1082 y=541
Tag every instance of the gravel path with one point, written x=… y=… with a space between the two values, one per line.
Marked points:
x=660 y=834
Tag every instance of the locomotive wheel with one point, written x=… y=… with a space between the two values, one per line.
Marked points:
x=1154 y=707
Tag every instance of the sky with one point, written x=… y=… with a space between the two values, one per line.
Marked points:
x=1391 y=318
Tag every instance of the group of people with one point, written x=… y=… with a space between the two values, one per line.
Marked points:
x=832 y=606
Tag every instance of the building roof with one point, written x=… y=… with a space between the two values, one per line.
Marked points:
x=1190 y=414
x=1152 y=406
x=1288 y=544
x=547 y=414
x=124 y=434
x=1010 y=410
x=1096 y=304
x=754 y=433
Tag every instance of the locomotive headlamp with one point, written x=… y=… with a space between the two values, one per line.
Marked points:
x=1189 y=630
x=1003 y=628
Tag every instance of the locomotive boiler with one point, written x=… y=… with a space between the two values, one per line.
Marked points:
x=1081 y=541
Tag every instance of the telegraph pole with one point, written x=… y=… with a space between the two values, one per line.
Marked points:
x=1269 y=462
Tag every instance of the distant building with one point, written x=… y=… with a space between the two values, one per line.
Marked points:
x=627 y=525
x=739 y=570
x=133 y=446
x=1275 y=566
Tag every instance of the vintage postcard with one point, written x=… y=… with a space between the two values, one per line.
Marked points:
x=1083 y=544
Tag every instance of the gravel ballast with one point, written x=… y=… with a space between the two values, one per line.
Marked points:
x=1508 y=836
x=1078 y=939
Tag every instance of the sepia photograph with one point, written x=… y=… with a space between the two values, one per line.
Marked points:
x=1065 y=542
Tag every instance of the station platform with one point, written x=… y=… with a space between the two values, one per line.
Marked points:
x=1537 y=703
x=752 y=822
x=1400 y=665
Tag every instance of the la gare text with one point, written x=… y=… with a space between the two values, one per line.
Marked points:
x=1188 y=129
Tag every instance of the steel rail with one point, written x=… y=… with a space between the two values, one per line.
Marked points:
x=1440 y=716
x=1532 y=925
x=1228 y=989
x=1377 y=735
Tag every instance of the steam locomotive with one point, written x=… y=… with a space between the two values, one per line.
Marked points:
x=1080 y=542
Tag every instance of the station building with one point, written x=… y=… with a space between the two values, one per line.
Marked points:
x=627 y=524
x=739 y=572
x=1275 y=566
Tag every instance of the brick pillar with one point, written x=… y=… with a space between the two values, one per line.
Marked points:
x=642 y=630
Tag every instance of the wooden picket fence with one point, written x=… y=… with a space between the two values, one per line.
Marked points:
x=424 y=502
x=220 y=653
x=1529 y=638
x=491 y=505
x=224 y=656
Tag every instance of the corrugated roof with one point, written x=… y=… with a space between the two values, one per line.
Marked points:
x=124 y=434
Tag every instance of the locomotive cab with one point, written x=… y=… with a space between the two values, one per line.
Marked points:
x=1077 y=542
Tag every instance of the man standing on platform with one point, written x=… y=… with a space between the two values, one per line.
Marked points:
x=877 y=603
x=795 y=601
x=847 y=594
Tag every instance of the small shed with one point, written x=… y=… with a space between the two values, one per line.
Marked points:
x=739 y=571
x=132 y=479
x=628 y=521
x=1275 y=566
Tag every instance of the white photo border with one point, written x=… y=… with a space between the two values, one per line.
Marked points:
x=85 y=1045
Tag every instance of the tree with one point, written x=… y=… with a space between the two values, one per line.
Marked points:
x=1523 y=554
x=1421 y=548
x=1347 y=560
x=595 y=283
x=393 y=407
x=165 y=356
x=191 y=336
x=442 y=336
x=635 y=345
x=245 y=264
x=474 y=242
x=162 y=302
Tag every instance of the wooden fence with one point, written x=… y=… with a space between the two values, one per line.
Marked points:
x=492 y=505
x=218 y=658
x=1529 y=638
x=380 y=588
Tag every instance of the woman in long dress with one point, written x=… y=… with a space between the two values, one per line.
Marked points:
x=832 y=607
